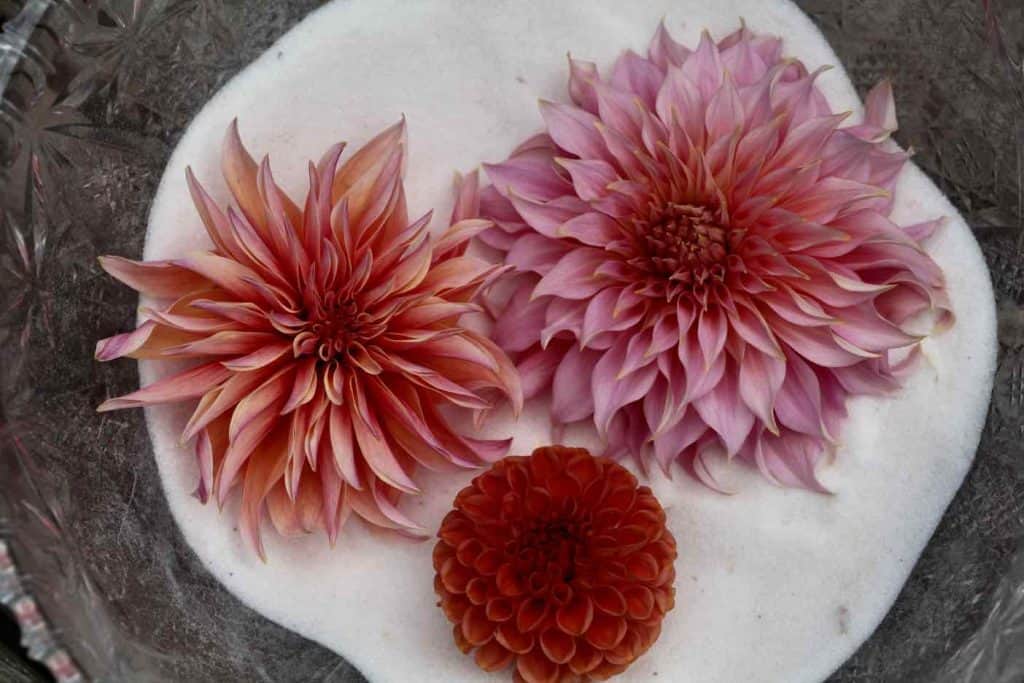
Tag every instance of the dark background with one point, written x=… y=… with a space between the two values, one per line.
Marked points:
x=86 y=128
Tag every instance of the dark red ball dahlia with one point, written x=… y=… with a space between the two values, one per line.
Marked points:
x=558 y=561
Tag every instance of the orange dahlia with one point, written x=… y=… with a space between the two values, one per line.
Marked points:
x=327 y=336
x=559 y=561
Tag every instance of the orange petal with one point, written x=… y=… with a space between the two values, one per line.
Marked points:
x=149 y=340
x=217 y=402
x=343 y=447
x=185 y=385
x=163 y=279
x=467 y=197
x=369 y=161
x=213 y=218
x=263 y=469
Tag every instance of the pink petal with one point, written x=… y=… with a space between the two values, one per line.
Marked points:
x=611 y=393
x=537 y=369
x=743 y=61
x=595 y=229
x=724 y=115
x=618 y=110
x=816 y=344
x=392 y=513
x=530 y=176
x=636 y=352
x=867 y=330
x=700 y=377
x=672 y=443
x=704 y=68
x=590 y=177
x=798 y=401
x=922 y=231
x=601 y=315
x=573 y=276
x=547 y=217
x=679 y=102
x=573 y=129
x=519 y=325
x=638 y=76
x=563 y=315
x=537 y=253
x=866 y=378
x=803 y=144
x=664 y=51
x=582 y=76
x=761 y=377
x=433 y=381
x=789 y=462
x=571 y=397
x=711 y=332
x=751 y=325
x=724 y=411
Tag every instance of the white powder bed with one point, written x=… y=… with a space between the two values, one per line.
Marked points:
x=773 y=584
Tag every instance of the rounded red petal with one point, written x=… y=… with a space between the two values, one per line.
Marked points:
x=476 y=627
x=574 y=617
x=492 y=656
x=566 y=567
x=606 y=632
x=558 y=646
x=535 y=667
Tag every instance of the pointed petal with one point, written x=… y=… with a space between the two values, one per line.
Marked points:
x=162 y=279
x=186 y=385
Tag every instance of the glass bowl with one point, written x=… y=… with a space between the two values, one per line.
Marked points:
x=95 y=93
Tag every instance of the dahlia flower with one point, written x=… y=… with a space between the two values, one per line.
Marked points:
x=558 y=561
x=704 y=257
x=328 y=339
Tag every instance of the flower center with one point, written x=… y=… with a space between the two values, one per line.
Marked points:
x=337 y=323
x=547 y=550
x=681 y=242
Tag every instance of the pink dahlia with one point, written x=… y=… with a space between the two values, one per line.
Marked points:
x=328 y=338
x=704 y=256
